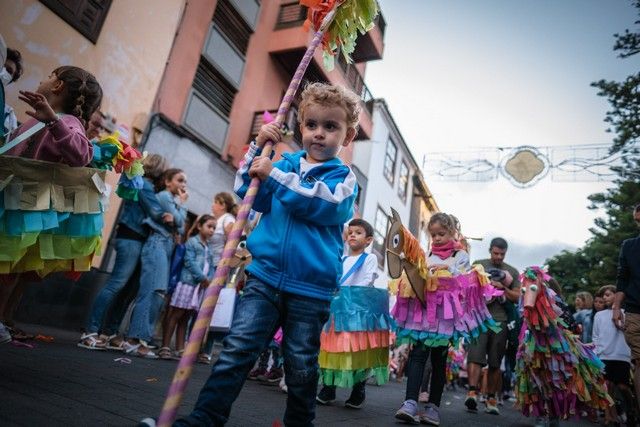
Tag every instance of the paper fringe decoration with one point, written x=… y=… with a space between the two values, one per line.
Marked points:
x=50 y=216
x=353 y=17
x=455 y=309
x=111 y=153
x=555 y=371
x=355 y=340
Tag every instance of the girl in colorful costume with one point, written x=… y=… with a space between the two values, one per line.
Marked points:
x=555 y=371
x=439 y=301
x=50 y=207
x=354 y=343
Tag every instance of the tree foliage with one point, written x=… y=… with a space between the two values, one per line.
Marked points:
x=595 y=264
x=624 y=97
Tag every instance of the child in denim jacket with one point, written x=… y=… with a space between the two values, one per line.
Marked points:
x=305 y=199
x=196 y=273
x=155 y=260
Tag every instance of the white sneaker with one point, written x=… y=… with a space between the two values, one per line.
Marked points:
x=283 y=385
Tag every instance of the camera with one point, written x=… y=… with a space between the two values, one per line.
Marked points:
x=496 y=275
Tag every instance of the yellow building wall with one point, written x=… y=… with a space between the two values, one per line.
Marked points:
x=128 y=59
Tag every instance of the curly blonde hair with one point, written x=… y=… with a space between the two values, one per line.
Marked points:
x=328 y=95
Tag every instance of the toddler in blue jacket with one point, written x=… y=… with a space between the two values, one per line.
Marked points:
x=305 y=198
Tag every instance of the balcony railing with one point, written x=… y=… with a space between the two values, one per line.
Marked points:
x=291 y=15
x=355 y=80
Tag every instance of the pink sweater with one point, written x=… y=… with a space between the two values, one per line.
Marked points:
x=64 y=142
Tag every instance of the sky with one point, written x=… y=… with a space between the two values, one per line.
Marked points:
x=462 y=75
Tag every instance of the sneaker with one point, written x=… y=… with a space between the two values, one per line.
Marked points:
x=91 y=342
x=5 y=335
x=358 y=395
x=283 y=385
x=471 y=402
x=492 y=406
x=424 y=397
x=272 y=376
x=256 y=372
x=431 y=415
x=327 y=395
x=408 y=412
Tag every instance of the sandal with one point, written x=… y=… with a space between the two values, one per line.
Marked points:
x=204 y=358
x=91 y=342
x=116 y=343
x=165 y=353
x=177 y=355
x=139 y=350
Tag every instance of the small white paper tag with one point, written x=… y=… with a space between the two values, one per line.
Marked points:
x=99 y=183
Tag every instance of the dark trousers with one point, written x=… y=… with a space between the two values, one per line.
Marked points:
x=415 y=370
x=260 y=311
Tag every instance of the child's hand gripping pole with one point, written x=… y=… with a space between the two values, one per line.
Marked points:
x=183 y=372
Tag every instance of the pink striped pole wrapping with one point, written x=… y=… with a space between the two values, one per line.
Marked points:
x=183 y=372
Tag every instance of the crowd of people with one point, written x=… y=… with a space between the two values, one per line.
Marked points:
x=290 y=326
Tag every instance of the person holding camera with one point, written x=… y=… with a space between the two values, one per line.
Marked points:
x=490 y=347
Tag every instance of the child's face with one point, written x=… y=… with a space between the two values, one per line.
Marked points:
x=50 y=86
x=608 y=298
x=218 y=208
x=357 y=238
x=177 y=183
x=439 y=234
x=579 y=304
x=207 y=229
x=325 y=132
x=598 y=304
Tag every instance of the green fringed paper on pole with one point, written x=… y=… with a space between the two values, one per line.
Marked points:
x=353 y=17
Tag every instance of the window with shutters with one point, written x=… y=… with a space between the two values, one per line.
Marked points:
x=86 y=16
x=214 y=87
x=379 y=232
x=403 y=181
x=231 y=24
x=390 y=161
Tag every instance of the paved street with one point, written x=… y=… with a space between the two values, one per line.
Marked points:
x=58 y=384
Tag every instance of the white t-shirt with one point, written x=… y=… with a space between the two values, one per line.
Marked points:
x=458 y=264
x=218 y=240
x=609 y=340
x=365 y=275
x=305 y=167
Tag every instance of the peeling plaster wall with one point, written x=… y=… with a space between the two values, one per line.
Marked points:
x=128 y=59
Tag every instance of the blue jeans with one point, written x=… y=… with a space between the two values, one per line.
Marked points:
x=154 y=278
x=260 y=311
x=127 y=257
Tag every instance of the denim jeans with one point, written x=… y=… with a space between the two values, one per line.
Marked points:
x=415 y=370
x=154 y=278
x=260 y=311
x=127 y=257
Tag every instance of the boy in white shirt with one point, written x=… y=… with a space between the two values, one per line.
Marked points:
x=357 y=333
x=611 y=348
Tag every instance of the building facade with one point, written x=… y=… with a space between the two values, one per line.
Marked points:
x=389 y=177
x=195 y=76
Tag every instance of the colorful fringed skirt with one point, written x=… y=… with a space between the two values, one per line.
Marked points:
x=556 y=374
x=51 y=216
x=456 y=308
x=355 y=340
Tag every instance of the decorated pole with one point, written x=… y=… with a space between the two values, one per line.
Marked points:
x=183 y=373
